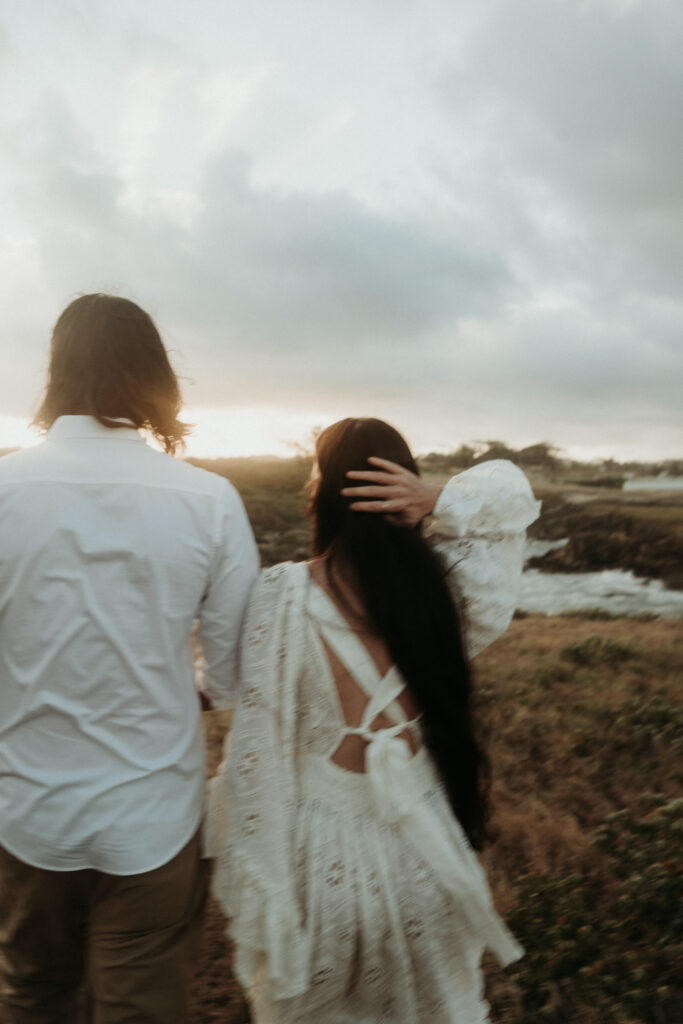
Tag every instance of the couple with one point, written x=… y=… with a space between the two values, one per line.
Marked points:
x=342 y=822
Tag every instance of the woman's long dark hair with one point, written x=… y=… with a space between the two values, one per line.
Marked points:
x=401 y=584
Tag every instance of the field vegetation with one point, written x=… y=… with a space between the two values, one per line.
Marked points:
x=584 y=727
x=586 y=738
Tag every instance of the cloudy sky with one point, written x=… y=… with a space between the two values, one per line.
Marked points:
x=464 y=216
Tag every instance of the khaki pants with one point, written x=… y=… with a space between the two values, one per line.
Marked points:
x=132 y=939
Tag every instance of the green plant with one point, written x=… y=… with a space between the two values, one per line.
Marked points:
x=596 y=614
x=597 y=650
x=613 y=482
x=611 y=940
x=633 y=730
x=550 y=672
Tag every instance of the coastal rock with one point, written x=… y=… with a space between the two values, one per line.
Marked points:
x=610 y=541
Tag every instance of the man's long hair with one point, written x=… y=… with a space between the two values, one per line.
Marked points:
x=406 y=601
x=107 y=360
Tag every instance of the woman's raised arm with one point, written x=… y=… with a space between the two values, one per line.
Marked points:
x=483 y=514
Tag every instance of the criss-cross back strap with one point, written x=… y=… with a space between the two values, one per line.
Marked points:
x=381 y=690
x=383 y=701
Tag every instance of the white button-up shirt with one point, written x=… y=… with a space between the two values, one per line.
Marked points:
x=108 y=551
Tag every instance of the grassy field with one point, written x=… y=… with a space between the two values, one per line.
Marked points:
x=585 y=721
x=584 y=728
x=665 y=512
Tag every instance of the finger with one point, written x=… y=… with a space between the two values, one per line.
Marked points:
x=371 y=492
x=372 y=474
x=390 y=467
x=376 y=506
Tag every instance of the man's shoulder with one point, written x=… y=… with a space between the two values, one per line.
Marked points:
x=102 y=463
x=21 y=463
x=174 y=472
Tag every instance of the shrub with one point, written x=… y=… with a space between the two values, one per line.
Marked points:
x=550 y=672
x=597 y=650
x=614 y=482
x=611 y=941
x=596 y=614
x=633 y=730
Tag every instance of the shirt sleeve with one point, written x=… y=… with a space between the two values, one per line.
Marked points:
x=483 y=515
x=233 y=571
x=250 y=822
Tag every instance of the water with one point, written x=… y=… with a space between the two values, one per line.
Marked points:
x=616 y=591
x=654 y=483
x=538 y=548
x=612 y=590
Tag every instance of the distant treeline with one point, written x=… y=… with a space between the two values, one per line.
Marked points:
x=548 y=457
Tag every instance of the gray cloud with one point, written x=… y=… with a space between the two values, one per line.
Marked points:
x=582 y=114
x=537 y=294
x=262 y=275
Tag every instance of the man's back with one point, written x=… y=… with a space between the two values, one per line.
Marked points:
x=108 y=550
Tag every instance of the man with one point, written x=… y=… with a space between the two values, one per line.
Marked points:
x=108 y=551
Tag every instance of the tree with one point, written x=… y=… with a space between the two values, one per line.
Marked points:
x=495 y=450
x=542 y=454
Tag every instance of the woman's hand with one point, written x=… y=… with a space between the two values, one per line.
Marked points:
x=403 y=497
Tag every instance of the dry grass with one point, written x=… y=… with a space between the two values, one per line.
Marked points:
x=558 y=760
x=558 y=770
x=547 y=799
x=666 y=511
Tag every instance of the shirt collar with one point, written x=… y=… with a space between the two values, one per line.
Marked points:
x=87 y=427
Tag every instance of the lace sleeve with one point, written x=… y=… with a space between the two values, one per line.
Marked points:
x=250 y=819
x=483 y=514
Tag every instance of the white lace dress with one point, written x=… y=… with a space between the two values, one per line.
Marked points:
x=356 y=896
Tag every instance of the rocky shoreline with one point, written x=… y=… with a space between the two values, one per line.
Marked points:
x=598 y=540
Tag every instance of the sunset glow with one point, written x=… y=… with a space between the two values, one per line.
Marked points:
x=16 y=433
x=227 y=433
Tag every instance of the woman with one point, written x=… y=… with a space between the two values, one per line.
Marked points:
x=355 y=788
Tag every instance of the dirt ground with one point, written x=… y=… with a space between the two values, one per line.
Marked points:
x=218 y=998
